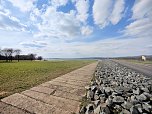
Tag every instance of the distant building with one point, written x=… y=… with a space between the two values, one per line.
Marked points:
x=143 y=58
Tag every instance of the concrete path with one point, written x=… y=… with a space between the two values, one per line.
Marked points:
x=58 y=96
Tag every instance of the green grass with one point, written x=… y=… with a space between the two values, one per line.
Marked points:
x=19 y=76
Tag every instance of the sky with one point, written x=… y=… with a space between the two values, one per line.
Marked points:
x=77 y=28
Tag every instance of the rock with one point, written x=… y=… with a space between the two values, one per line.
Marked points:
x=140 y=110
x=119 y=91
x=96 y=97
x=114 y=94
x=108 y=91
x=94 y=88
x=106 y=110
x=147 y=107
x=97 y=102
x=117 y=108
x=129 y=94
x=118 y=99
x=134 y=100
x=134 y=110
x=150 y=88
x=105 y=82
x=147 y=95
x=97 y=110
x=137 y=91
x=142 y=97
x=102 y=100
x=145 y=89
x=151 y=100
x=83 y=110
x=102 y=95
x=139 y=107
x=127 y=105
x=109 y=101
x=87 y=88
x=127 y=89
x=124 y=111
x=98 y=92
x=90 y=94
x=90 y=109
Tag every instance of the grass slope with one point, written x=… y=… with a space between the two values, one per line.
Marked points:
x=19 y=76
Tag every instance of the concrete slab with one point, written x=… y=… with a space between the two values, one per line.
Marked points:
x=67 y=95
x=47 y=84
x=65 y=84
x=29 y=104
x=13 y=110
x=69 y=79
x=71 y=83
x=78 y=92
x=53 y=100
x=43 y=89
x=2 y=105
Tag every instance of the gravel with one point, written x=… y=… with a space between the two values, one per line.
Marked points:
x=118 y=89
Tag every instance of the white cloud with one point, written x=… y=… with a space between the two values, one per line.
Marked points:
x=86 y=30
x=59 y=24
x=8 y=22
x=34 y=44
x=35 y=13
x=141 y=27
x=23 y=5
x=106 y=11
x=117 y=11
x=57 y=3
x=101 y=12
x=142 y=18
x=0 y=4
x=49 y=22
x=102 y=48
x=142 y=8
x=82 y=7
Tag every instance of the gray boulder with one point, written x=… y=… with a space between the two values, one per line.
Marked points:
x=118 y=99
x=134 y=110
x=127 y=105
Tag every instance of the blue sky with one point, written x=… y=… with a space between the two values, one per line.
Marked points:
x=77 y=28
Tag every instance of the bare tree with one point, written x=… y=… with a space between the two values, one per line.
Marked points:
x=10 y=53
x=39 y=58
x=17 y=52
x=5 y=53
x=32 y=56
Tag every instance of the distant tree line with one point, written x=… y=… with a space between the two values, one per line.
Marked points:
x=10 y=54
